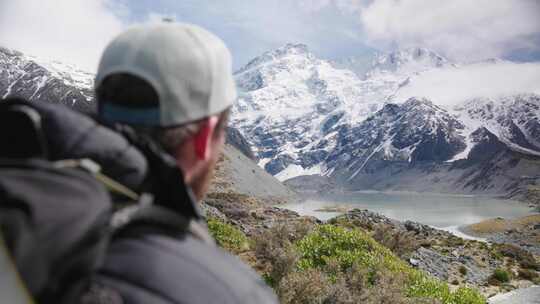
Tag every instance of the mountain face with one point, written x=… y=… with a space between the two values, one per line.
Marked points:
x=515 y=120
x=27 y=77
x=415 y=131
x=408 y=61
x=37 y=80
x=289 y=102
x=305 y=116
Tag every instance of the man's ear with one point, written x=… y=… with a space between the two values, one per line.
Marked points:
x=202 y=139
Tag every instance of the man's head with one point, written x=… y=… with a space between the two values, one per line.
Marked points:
x=173 y=82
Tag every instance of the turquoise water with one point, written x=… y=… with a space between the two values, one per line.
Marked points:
x=437 y=210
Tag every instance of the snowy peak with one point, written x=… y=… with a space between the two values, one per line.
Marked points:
x=291 y=63
x=297 y=49
x=514 y=119
x=421 y=104
x=411 y=60
x=34 y=79
x=415 y=131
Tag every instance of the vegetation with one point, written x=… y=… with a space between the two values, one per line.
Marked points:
x=399 y=242
x=350 y=260
x=463 y=270
x=524 y=258
x=333 y=264
x=228 y=236
x=527 y=274
x=498 y=277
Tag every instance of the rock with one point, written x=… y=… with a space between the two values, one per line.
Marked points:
x=417 y=227
x=433 y=262
x=237 y=140
x=414 y=262
x=212 y=212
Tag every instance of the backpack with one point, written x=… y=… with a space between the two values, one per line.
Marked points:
x=57 y=216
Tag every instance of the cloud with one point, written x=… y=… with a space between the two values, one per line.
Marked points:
x=451 y=86
x=73 y=31
x=461 y=29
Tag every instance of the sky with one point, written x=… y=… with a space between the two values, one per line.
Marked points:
x=76 y=31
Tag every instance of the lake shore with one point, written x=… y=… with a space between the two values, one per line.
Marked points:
x=442 y=211
x=523 y=232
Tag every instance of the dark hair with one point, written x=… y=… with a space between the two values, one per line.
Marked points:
x=132 y=91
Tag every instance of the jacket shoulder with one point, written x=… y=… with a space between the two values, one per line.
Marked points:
x=183 y=270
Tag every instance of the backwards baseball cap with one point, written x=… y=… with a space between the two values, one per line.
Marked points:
x=189 y=68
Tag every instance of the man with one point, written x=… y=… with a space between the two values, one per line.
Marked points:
x=172 y=83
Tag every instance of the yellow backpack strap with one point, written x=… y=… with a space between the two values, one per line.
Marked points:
x=12 y=287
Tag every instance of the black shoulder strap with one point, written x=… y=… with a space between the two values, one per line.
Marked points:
x=28 y=141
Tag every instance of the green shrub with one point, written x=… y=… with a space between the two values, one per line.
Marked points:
x=228 y=236
x=401 y=243
x=331 y=245
x=463 y=270
x=499 y=276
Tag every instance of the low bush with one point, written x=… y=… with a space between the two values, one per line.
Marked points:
x=275 y=247
x=523 y=257
x=228 y=236
x=463 y=270
x=353 y=249
x=499 y=276
x=401 y=243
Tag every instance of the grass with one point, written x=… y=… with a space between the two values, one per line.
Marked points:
x=502 y=225
x=228 y=236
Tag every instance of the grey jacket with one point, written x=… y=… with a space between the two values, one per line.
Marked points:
x=159 y=269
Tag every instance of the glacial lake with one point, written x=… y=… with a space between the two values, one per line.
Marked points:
x=442 y=211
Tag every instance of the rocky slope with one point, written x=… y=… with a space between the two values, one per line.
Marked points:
x=239 y=174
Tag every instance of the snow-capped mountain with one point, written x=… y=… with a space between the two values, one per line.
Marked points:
x=292 y=102
x=34 y=79
x=52 y=81
x=289 y=101
x=407 y=62
x=305 y=115
x=515 y=120
x=415 y=131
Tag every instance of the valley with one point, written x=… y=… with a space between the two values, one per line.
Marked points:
x=307 y=125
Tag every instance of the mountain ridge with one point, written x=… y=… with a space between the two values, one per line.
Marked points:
x=303 y=116
x=293 y=111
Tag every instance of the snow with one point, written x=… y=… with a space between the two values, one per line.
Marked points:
x=69 y=74
x=492 y=114
x=296 y=170
x=287 y=95
x=18 y=67
x=40 y=85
